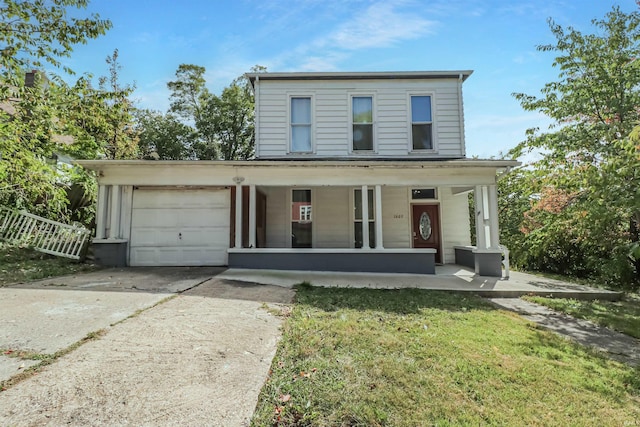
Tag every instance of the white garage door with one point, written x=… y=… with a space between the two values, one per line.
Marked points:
x=179 y=227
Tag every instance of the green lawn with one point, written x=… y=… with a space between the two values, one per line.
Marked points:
x=19 y=264
x=356 y=357
x=622 y=316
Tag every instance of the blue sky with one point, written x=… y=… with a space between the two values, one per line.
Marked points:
x=495 y=38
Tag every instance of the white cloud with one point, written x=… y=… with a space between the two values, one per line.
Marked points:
x=380 y=25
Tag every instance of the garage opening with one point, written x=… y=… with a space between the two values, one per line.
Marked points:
x=179 y=226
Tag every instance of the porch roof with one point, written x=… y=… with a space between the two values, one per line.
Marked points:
x=298 y=172
x=347 y=163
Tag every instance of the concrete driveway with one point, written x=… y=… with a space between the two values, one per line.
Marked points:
x=197 y=359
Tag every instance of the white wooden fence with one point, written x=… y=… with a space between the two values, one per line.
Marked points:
x=42 y=234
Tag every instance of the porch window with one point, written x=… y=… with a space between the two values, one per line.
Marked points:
x=362 y=122
x=423 y=194
x=421 y=123
x=301 y=219
x=301 y=124
x=357 y=220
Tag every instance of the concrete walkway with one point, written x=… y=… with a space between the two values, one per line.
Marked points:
x=200 y=358
x=447 y=278
x=615 y=345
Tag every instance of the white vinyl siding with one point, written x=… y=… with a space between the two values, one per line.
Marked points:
x=332 y=116
x=278 y=235
x=396 y=218
x=454 y=219
x=332 y=217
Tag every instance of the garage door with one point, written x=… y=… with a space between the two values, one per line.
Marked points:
x=179 y=227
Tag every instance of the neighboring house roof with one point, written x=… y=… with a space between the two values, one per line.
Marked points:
x=372 y=75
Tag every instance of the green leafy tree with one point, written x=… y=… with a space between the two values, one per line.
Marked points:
x=189 y=98
x=224 y=124
x=36 y=32
x=28 y=176
x=164 y=135
x=230 y=119
x=584 y=217
x=34 y=118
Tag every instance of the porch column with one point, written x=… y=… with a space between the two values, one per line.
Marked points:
x=238 y=243
x=494 y=232
x=252 y=216
x=481 y=237
x=378 y=216
x=365 y=217
x=114 y=229
x=101 y=212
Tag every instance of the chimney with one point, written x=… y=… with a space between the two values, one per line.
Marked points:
x=30 y=78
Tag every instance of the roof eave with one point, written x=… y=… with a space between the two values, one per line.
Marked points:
x=371 y=75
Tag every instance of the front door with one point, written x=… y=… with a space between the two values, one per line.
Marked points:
x=426 y=228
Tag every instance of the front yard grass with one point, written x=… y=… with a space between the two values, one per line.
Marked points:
x=20 y=264
x=622 y=316
x=362 y=357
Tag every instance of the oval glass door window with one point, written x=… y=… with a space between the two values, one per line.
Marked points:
x=425 y=226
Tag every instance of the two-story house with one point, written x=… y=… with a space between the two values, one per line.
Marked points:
x=353 y=172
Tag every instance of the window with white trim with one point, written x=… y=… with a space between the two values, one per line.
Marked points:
x=357 y=218
x=301 y=124
x=421 y=122
x=305 y=213
x=362 y=123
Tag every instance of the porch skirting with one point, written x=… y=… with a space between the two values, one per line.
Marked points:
x=413 y=261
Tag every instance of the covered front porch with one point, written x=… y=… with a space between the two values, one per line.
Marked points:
x=412 y=226
x=352 y=216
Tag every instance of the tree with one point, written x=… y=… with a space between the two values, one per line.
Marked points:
x=99 y=120
x=121 y=140
x=587 y=205
x=224 y=125
x=36 y=32
x=165 y=135
x=189 y=98
x=230 y=117
x=28 y=177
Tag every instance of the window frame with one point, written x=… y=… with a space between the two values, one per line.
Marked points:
x=410 y=123
x=291 y=220
x=290 y=124
x=358 y=222
x=374 y=142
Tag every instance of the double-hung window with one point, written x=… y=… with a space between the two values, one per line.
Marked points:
x=301 y=124
x=421 y=123
x=357 y=218
x=362 y=123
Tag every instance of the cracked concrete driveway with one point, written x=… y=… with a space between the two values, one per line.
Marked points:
x=197 y=359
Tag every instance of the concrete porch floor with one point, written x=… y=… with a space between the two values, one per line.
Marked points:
x=448 y=277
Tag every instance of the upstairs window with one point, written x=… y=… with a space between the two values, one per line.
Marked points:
x=421 y=123
x=362 y=122
x=300 y=124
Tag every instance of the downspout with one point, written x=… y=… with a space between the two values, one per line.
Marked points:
x=461 y=117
